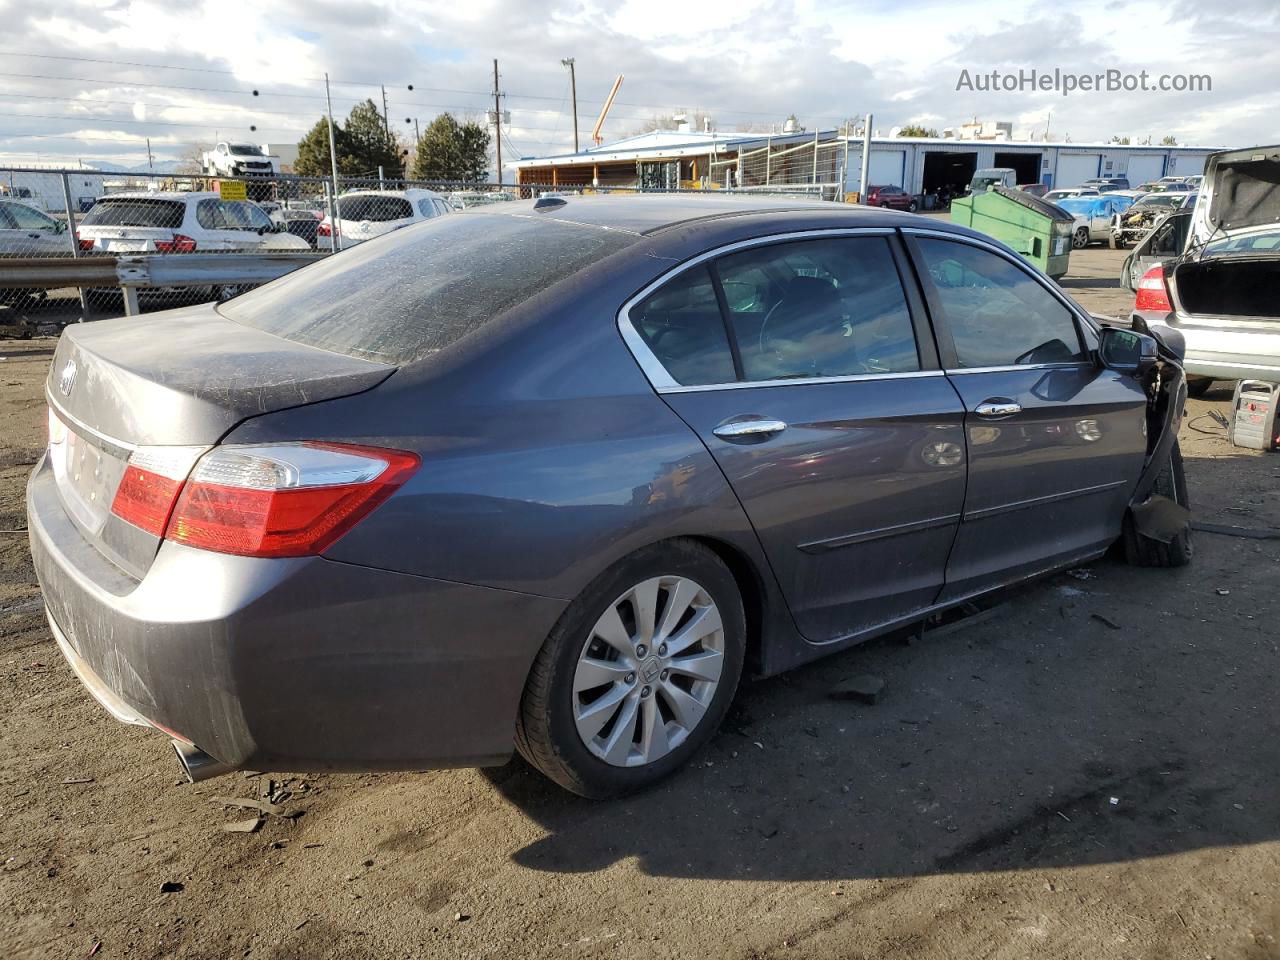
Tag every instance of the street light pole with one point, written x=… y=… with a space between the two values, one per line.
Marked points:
x=497 y=122
x=333 y=169
x=573 y=93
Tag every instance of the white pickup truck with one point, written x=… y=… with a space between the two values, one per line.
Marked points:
x=240 y=160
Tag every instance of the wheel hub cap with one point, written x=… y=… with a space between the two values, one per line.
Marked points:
x=648 y=671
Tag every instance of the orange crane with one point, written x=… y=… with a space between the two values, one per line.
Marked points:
x=595 y=133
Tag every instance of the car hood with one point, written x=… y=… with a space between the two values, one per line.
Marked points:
x=1240 y=193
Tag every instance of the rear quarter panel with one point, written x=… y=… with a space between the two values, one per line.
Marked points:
x=546 y=454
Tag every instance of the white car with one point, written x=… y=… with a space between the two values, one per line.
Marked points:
x=28 y=232
x=167 y=222
x=365 y=214
x=1053 y=196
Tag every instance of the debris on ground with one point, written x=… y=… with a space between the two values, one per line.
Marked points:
x=1080 y=573
x=262 y=806
x=72 y=780
x=1105 y=621
x=171 y=886
x=243 y=826
x=865 y=687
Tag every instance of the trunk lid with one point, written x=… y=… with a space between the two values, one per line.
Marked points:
x=172 y=383
x=1240 y=193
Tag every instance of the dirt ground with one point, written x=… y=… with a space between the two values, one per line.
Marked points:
x=1091 y=774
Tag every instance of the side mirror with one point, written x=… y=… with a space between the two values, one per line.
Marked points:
x=1126 y=351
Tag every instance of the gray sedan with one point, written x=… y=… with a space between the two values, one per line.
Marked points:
x=557 y=474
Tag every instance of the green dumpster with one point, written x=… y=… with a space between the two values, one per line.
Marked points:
x=1038 y=230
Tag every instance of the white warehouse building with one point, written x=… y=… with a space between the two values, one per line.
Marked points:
x=832 y=162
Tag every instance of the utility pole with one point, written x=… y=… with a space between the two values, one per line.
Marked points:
x=333 y=168
x=573 y=93
x=497 y=121
x=386 y=124
x=866 y=159
x=150 y=165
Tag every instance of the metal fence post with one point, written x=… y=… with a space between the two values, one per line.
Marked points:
x=333 y=217
x=866 y=159
x=75 y=243
x=768 y=159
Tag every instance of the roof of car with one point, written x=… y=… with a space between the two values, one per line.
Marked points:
x=646 y=214
x=408 y=193
x=161 y=195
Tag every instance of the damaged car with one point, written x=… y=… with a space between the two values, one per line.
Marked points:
x=1218 y=287
x=1130 y=225
x=554 y=476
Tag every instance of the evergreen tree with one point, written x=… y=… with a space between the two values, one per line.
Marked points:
x=448 y=150
x=313 y=152
x=370 y=143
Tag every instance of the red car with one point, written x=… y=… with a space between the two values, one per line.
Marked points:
x=890 y=196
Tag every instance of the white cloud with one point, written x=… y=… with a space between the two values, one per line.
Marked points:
x=748 y=63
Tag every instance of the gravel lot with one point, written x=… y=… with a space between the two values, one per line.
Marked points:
x=1093 y=773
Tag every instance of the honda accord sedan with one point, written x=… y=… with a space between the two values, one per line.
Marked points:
x=555 y=475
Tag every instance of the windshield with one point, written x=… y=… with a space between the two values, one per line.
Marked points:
x=246 y=150
x=1078 y=204
x=1266 y=241
x=417 y=291
x=135 y=212
x=1162 y=200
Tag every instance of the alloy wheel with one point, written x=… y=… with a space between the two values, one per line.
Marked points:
x=648 y=671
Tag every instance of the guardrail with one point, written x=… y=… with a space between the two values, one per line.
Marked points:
x=131 y=274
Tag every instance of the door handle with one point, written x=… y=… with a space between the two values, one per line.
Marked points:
x=998 y=407
x=749 y=431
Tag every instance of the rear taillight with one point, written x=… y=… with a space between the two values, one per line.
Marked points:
x=85 y=243
x=179 y=244
x=150 y=485
x=324 y=230
x=283 y=500
x=1152 y=292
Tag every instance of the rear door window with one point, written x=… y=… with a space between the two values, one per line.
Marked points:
x=135 y=212
x=682 y=325
x=998 y=313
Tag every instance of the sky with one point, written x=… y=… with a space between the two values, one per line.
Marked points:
x=91 y=79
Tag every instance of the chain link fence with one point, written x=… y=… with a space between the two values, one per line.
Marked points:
x=85 y=213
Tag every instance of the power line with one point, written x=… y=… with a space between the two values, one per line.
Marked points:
x=477 y=93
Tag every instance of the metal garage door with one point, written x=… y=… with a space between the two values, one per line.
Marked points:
x=887 y=167
x=1075 y=168
x=1144 y=167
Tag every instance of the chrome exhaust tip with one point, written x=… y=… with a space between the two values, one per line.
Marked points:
x=197 y=764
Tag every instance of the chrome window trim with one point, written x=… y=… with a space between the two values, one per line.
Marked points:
x=657 y=374
x=1011 y=367
x=797 y=381
x=1054 y=290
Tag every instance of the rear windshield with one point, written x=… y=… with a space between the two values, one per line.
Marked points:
x=135 y=212
x=374 y=207
x=413 y=292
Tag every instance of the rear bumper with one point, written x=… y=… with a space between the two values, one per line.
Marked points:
x=1226 y=352
x=290 y=664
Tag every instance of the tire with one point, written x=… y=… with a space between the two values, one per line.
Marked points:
x=884 y=206
x=1142 y=551
x=1080 y=239
x=1198 y=386
x=557 y=697
x=911 y=207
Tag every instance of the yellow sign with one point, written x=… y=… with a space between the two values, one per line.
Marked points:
x=232 y=190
